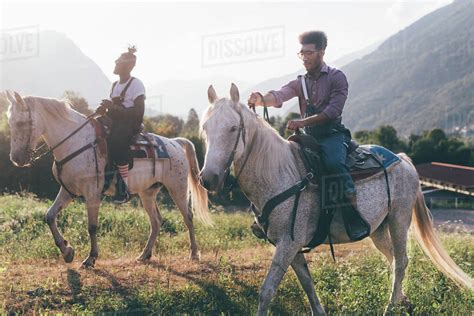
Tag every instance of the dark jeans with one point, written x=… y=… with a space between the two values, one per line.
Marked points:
x=336 y=181
x=119 y=141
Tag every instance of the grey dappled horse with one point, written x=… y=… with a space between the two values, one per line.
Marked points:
x=274 y=165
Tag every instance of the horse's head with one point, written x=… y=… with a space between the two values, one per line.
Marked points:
x=25 y=129
x=224 y=132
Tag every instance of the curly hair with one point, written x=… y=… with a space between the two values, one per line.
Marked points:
x=318 y=38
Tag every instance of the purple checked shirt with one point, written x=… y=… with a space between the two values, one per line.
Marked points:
x=328 y=93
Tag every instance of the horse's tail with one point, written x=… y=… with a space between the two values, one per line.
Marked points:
x=199 y=198
x=429 y=241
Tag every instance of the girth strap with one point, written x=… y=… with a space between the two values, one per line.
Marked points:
x=280 y=198
x=386 y=181
x=61 y=163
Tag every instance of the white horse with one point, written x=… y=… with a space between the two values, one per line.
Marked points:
x=31 y=118
x=274 y=165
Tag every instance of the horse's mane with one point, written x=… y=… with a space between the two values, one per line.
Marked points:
x=272 y=154
x=60 y=109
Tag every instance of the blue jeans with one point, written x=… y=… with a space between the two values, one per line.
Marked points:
x=336 y=181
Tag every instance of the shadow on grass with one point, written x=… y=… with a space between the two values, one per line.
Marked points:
x=229 y=294
x=218 y=293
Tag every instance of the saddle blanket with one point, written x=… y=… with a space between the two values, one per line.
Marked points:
x=148 y=146
x=363 y=165
x=143 y=145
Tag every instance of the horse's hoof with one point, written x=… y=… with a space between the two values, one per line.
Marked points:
x=144 y=257
x=408 y=306
x=196 y=256
x=68 y=255
x=88 y=263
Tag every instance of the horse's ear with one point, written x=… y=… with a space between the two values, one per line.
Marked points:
x=19 y=101
x=10 y=97
x=18 y=98
x=211 y=94
x=234 y=93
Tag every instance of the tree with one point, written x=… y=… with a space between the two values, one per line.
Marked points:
x=364 y=137
x=78 y=102
x=3 y=103
x=436 y=135
x=386 y=136
x=191 y=127
x=164 y=124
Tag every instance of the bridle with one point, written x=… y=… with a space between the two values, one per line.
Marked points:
x=33 y=153
x=242 y=132
x=29 y=123
x=34 y=156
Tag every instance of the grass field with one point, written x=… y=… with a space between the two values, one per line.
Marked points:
x=34 y=278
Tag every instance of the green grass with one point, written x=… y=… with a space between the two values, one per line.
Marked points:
x=33 y=277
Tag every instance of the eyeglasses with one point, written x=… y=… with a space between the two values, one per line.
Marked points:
x=306 y=53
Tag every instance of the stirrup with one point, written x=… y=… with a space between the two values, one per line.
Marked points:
x=356 y=227
x=258 y=231
x=120 y=199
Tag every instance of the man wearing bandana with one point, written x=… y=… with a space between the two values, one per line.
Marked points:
x=322 y=93
x=125 y=108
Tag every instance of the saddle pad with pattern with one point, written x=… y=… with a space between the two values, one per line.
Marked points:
x=363 y=161
x=146 y=145
x=367 y=160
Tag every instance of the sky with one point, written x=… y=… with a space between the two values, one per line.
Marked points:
x=194 y=39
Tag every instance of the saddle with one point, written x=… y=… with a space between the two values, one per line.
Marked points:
x=363 y=162
x=142 y=146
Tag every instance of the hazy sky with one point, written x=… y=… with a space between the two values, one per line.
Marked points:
x=184 y=40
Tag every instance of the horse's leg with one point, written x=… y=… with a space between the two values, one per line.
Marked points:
x=148 y=198
x=302 y=272
x=284 y=255
x=382 y=241
x=398 y=223
x=62 y=200
x=179 y=195
x=92 y=205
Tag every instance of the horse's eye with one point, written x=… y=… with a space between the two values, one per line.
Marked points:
x=234 y=128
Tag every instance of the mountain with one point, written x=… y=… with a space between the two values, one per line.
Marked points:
x=418 y=79
x=58 y=65
x=348 y=58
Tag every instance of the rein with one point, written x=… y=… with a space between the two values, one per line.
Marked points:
x=60 y=164
x=34 y=159
x=265 y=108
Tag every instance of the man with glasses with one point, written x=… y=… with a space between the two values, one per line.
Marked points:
x=322 y=93
x=125 y=109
